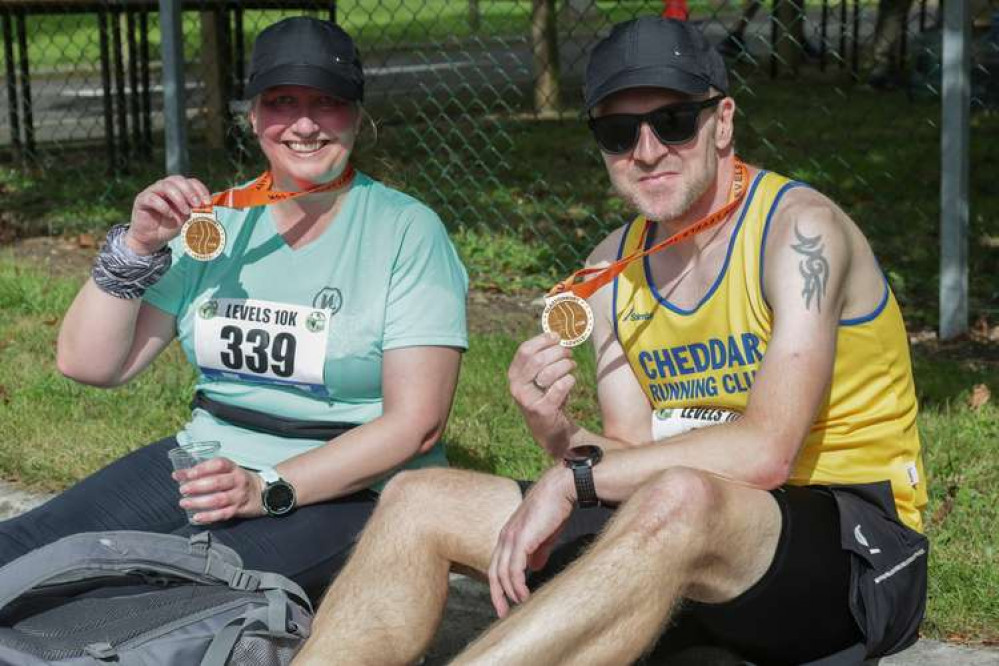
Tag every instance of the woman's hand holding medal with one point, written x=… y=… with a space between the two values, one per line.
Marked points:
x=160 y=211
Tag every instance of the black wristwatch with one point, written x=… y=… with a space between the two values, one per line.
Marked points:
x=581 y=459
x=278 y=496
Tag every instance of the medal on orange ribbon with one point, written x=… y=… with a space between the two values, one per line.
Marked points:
x=204 y=237
x=569 y=317
x=567 y=313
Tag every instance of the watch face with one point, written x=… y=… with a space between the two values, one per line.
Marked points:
x=589 y=452
x=279 y=498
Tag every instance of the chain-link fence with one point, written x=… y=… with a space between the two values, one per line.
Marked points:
x=475 y=104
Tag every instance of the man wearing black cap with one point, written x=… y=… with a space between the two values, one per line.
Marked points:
x=787 y=532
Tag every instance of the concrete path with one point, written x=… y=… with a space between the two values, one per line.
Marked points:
x=469 y=611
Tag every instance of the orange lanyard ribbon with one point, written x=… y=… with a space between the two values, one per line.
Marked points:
x=576 y=284
x=259 y=192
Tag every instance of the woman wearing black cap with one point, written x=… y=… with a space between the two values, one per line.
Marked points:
x=323 y=310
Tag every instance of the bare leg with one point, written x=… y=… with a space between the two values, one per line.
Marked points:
x=386 y=604
x=685 y=534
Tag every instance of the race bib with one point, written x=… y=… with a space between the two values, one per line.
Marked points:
x=673 y=422
x=262 y=342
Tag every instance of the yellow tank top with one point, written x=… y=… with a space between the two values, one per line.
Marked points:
x=708 y=357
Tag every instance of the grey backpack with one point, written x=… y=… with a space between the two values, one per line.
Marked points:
x=139 y=598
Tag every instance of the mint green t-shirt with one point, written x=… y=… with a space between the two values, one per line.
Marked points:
x=301 y=333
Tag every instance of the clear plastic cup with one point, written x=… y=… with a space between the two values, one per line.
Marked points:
x=189 y=455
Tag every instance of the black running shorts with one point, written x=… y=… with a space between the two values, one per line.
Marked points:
x=845 y=571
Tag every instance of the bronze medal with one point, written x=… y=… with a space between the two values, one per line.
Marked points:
x=204 y=237
x=569 y=317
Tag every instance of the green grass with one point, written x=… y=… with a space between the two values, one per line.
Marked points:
x=53 y=432
x=963 y=521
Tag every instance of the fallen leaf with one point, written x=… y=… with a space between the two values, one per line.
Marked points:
x=50 y=321
x=4 y=395
x=980 y=395
x=940 y=515
x=980 y=329
x=86 y=241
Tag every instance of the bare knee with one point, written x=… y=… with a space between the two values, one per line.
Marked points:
x=406 y=485
x=679 y=501
x=417 y=492
x=437 y=496
x=456 y=513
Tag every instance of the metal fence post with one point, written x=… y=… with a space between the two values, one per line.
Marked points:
x=954 y=158
x=174 y=117
x=7 y=18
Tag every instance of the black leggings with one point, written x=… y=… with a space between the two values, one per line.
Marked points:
x=137 y=492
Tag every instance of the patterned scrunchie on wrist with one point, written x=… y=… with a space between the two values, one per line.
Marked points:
x=122 y=273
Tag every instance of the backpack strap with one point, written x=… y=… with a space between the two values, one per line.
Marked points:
x=271 y=621
x=97 y=554
x=249 y=580
x=271 y=581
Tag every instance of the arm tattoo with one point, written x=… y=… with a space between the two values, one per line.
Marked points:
x=814 y=268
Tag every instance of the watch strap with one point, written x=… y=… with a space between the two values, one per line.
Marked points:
x=586 y=493
x=269 y=475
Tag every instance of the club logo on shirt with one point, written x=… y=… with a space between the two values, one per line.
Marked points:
x=328 y=298
x=315 y=322
x=208 y=309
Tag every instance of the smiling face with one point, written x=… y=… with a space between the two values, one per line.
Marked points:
x=306 y=134
x=663 y=182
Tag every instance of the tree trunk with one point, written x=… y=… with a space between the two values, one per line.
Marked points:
x=544 y=38
x=474 y=16
x=213 y=59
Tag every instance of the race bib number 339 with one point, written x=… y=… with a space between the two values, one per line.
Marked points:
x=262 y=342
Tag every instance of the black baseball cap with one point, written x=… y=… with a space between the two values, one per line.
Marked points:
x=653 y=52
x=305 y=51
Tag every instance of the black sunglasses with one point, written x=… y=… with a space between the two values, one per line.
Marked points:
x=617 y=133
